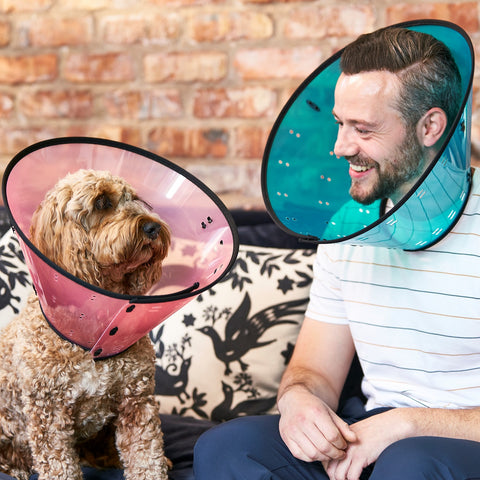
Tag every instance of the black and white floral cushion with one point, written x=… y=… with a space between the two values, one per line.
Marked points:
x=222 y=355
x=15 y=282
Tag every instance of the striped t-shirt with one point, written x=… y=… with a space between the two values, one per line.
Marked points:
x=414 y=316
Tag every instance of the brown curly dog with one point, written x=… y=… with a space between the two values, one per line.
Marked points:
x=59 y=408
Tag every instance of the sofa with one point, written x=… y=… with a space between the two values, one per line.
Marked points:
x=222 y=355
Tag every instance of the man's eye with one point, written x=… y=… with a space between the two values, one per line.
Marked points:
x=361 y=131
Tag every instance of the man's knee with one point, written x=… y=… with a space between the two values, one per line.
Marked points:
x=232 y=449
x=239 y=435
x=432 y=458
x=410 y=454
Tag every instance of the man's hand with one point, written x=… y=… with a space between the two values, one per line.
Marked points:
x=310 y=429
x=309 y=392
x=374 y=434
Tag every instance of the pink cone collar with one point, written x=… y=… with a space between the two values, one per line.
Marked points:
x=204 y=240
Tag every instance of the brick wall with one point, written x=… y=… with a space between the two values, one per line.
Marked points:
x=197 y=81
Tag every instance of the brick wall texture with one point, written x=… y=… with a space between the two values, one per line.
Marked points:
x=199 y=82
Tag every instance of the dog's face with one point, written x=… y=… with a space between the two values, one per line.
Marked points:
x=93 y=225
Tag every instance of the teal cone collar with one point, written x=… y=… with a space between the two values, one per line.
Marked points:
x=305 y=187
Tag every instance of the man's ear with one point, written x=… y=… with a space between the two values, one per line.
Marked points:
x=432 y=126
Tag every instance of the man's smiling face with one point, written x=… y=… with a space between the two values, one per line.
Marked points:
x=385 y=157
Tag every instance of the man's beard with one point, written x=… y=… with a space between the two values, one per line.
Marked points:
x=407 y=165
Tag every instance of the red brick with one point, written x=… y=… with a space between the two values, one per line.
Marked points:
x=475 y=92
x=56 y=104
x=186 y=3
x=268 y=63
x=6 y=105
x=315 y=21
x=5 y=33
x=28 y=69
x=118 y=133
x=464 y=14
x=141 y=105
x=98 y=68
x=185 y=66
x=228 y=26
x=89 y=5
x=286 y=93
x=248 y=102
x=15 y=6
x=250 y=141
x=14 y=139
x=239 y=179
x=53 y=31
x=188 y=142
x=276 y=1
x=141 y=28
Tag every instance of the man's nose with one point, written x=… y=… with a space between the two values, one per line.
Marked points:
x=345 y=146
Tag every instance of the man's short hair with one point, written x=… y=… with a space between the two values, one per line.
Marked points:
x=428 y=73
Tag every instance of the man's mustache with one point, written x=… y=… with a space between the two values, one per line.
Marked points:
x=360 y=161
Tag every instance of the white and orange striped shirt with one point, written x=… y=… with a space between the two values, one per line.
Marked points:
x=414 y=316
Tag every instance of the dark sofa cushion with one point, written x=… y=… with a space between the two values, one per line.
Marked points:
x=256 y=227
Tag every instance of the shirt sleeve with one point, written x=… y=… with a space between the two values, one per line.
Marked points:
x=326 y=302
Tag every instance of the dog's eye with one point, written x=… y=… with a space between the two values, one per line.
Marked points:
x=102 y=202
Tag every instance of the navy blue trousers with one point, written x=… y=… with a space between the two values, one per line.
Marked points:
x=250 y=448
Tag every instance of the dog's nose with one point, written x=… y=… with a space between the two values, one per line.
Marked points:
x=151 y=229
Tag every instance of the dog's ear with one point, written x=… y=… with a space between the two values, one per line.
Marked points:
x=48 y=221
x=79 y=213
x=89 y=201
x=57 y=225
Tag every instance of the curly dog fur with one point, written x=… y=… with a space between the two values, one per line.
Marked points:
x=59 y=408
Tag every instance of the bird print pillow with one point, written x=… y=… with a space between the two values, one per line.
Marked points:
x=222 y=355
x=15 y=282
